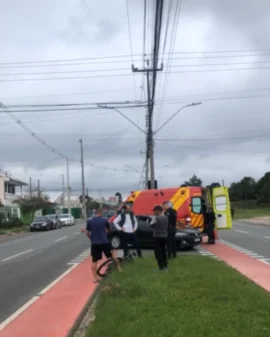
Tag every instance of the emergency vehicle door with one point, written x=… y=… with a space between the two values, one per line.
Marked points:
x=221 y=205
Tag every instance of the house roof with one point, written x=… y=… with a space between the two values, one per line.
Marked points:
x=13 y=181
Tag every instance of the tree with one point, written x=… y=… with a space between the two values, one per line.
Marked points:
x=193 y=181
x=119 y=195
x=262 y=189
x=33 y=203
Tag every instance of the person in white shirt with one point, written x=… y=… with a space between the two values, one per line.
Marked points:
x=127 y=223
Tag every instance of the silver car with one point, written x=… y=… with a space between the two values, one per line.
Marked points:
x=67 y=219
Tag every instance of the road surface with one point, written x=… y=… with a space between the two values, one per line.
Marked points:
x=31 y=262
x=252 y=237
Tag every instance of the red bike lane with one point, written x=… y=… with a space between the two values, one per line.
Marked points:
x=54 y=313
x=250 y=267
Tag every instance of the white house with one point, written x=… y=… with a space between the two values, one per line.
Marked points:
x=8 y=186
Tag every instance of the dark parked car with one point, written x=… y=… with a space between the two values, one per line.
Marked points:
x=41 y=223
x=55 y=219
x=185 y=238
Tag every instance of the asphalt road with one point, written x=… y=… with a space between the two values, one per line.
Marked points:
x=31 y=262
x=252 y=237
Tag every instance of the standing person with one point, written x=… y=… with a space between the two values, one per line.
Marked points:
x=160 y=233
x=126 y=222
x=204 y=213
x=211 y=225
x=172 y=218
x=96 y=230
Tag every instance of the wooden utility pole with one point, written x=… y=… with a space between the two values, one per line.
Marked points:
x=68 y=188
x=63 y=182
x=83 y=183
x=150 y=139
x=38 y=189
x=30 y=187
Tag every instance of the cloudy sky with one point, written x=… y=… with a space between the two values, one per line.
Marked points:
x=219 y=56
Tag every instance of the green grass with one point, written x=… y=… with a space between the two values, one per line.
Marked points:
x=241 y=213
x=199 y=296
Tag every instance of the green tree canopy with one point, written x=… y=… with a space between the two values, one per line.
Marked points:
x=193 y=181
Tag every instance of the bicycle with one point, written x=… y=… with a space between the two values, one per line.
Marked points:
x=109 y=265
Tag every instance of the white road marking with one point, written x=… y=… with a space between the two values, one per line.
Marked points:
x=61 y=239
x=77 y=233
x=16 y=255
x=267 y=237
x=240 y=231
x=18 y=312
x=264 y=261
x=57 y=280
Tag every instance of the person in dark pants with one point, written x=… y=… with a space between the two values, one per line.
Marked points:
x=211 y=225
x=204 y=213
x=172 y=217
x=96 y=229
x=160 y=233
x=127 y=223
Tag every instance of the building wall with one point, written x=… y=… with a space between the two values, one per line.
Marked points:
x=2 y=189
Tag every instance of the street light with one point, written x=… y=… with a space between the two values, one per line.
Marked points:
x=168 y=120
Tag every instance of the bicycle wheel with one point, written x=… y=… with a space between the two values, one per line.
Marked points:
x=105 y=268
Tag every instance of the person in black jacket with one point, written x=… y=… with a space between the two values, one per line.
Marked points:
x=172 y=217
x=210 y=215
x=204 y=213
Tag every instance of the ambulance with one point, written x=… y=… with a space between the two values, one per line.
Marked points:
x=187 y=201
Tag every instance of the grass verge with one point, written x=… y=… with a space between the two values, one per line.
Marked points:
x=198 y=296
x=14 y=230
x=251 y=213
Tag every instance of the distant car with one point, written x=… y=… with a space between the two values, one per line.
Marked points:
x=67 y=220
x=55 y=219
x=185 y=238
x=41 y=223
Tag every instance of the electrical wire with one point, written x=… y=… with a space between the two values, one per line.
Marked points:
x=130 y=45
x=33 y=134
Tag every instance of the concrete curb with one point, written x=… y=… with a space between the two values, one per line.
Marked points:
x=253 y=223
x=84 y=311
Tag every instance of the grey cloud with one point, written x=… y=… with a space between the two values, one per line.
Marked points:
x=220 y=139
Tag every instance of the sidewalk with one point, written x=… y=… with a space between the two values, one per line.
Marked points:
x=54 y=312
x=253 y=269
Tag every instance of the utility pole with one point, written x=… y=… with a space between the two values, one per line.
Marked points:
x=38 y=189
x=83 y=184
x=30 y=187
x=68 y=188
x=63 y=182
x=150 y=139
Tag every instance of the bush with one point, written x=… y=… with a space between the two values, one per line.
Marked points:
x=9 y=223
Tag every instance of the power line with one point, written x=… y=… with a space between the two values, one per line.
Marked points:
x=130 y=45
x=33 y=134
x=76 y=109
x=64 y=72
x=134 y=55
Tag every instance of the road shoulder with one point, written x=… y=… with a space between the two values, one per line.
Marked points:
x=67 y=296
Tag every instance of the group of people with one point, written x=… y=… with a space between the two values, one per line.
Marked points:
x=164 y=229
